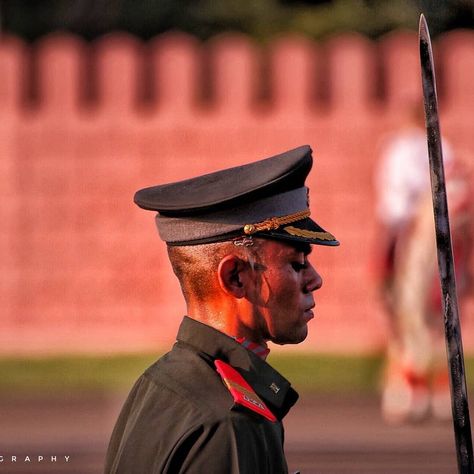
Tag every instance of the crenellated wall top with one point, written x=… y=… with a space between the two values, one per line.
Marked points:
x=176 y=75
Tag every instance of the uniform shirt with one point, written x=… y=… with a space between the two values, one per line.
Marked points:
x=180 y=418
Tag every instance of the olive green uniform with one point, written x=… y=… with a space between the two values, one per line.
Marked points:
x=180 y=417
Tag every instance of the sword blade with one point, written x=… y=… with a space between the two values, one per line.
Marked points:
x=452 y=326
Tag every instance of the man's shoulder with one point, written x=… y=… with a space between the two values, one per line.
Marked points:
x=186 y=377
x=186 y=383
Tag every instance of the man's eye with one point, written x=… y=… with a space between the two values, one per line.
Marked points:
x=297 y=266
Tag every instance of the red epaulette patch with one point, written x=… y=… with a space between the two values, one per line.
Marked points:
x=242 y=391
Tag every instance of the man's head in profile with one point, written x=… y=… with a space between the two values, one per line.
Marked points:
x=238 y=241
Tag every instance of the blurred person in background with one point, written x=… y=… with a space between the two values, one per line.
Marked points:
x=238 y=241
x=416 y=377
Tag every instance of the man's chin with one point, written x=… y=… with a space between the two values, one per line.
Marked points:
x=295 y=338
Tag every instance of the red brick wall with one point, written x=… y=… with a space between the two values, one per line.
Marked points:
x=82 y=126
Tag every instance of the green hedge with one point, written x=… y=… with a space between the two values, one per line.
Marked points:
x=68 y=374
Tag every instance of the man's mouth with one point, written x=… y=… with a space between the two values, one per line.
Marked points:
x=308 y=312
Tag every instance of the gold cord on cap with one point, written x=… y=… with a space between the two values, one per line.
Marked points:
x=275 y=222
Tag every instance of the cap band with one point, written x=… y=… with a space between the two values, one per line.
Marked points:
x=174 y=229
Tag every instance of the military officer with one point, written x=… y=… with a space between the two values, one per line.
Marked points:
x=238 y=241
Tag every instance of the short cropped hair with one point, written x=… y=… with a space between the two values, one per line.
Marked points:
x=196 y=266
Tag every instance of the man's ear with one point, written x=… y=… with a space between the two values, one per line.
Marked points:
x=230 y=273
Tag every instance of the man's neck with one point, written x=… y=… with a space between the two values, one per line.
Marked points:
x=226 y=318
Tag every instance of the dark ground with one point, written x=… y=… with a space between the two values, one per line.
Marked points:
x=325 y=434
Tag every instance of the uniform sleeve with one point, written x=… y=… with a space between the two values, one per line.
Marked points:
x=230 y=446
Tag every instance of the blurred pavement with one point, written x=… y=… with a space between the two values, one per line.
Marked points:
x=325 y=434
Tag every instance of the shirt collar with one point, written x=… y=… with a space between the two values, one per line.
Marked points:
x=264 y=379
x=257 y=349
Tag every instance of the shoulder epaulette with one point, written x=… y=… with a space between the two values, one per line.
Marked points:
x=241 y=391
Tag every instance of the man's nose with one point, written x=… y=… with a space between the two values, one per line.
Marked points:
x=313 y=280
